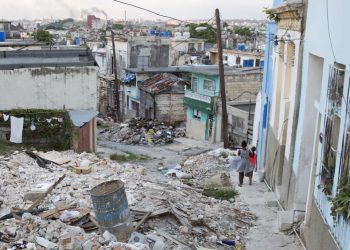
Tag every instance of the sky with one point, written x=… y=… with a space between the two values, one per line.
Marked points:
x=182 y=9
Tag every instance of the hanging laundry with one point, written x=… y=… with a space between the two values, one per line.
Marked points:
x=16 y=129
x=6 y=117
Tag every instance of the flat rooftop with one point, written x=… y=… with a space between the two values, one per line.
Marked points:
x=199 y=69
x=46 y=58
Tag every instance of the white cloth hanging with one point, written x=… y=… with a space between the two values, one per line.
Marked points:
x=16 y=129
x=6 y=117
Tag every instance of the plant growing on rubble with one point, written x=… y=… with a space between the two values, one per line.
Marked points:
x=220 y=193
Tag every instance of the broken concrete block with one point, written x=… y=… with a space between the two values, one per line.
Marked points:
x=158 y=243
x=183 y=229
x=37 y=191
x=65 y=240
x=108 y=237
x=137 y=238
x=83 y=170
x=45 y=243
x=285 y=220
x=11 y=231
x=88 y=245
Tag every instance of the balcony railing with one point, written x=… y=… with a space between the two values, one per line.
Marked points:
x=197 y=96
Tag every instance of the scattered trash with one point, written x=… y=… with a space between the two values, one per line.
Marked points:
x=142 y=131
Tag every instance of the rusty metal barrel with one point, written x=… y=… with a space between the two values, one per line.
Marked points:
x=111 y=209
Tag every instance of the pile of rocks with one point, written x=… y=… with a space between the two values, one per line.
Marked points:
x=178 y=215
x=144 y=132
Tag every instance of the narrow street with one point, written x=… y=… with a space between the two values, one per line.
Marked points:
x=257 y=198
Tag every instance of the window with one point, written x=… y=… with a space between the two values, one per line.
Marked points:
x=208 y=85
x=238 y=60
x=199 y=47
x=225 y=58
x=196 y=114
x=194 y=86
x=143 y=61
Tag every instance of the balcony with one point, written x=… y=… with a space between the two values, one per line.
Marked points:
x=198 y=101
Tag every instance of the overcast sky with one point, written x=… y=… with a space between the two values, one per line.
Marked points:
x=183 y=9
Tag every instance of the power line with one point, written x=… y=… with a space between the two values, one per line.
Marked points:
x=329 y=32
x=151 y=11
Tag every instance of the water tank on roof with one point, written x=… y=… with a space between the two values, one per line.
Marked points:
x=186 y=35
x=241 y=47
x=164 y=34
x=2 y=36
x=77 y=41
x=177 y=34
x=152 y=32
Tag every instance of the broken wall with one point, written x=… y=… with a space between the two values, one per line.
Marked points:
x=49 y=88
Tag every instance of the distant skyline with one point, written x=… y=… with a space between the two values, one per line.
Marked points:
x=182 y=9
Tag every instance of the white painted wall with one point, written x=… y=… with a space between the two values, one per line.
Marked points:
x=49 y=88
x=319 y=40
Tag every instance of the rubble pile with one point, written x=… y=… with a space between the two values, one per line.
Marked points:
x=48 y=206
x=206 y=165
x=141 y=131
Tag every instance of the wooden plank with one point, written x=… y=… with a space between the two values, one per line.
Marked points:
x=167 y=236
x=143 y=220
x=54 y=211
x=43 y=196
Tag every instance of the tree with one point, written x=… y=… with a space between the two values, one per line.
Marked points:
x=208 y=34
x=243 y=31
x=118 y=26
x=42 y=36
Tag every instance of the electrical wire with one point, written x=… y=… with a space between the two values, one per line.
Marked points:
x=329 y=32
x=151 y=11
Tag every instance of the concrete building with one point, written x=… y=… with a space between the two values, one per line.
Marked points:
x=238 y=58
x=161 y=98
x=266 y=92
x=203 y=99
x=185 y=50
x=135 y=76
x=52 y=80
x=322 y=140
x=289 y=185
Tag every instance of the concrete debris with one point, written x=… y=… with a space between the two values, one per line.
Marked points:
x=171 y=213
x=144 y=132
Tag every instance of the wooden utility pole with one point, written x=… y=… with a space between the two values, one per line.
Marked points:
x=222 y=81
x=116 y=82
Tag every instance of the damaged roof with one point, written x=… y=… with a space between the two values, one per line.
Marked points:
x=164 y=82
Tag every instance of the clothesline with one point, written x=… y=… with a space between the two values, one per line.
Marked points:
x=41 y=112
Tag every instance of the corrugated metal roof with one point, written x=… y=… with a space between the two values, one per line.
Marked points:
x=80 y=117
x=164 y=81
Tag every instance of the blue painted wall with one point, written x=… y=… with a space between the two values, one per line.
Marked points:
x=266 y=95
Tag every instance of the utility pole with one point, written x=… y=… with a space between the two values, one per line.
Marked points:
x=222 y=81
x=116 y=82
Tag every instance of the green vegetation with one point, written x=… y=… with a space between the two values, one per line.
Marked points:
x=208 y=34
x=223 y=154
x=42 y=36
x=7 y=148
x=218 y=192
x=128 y=156
x=118 y=26
x=53 y=128
x=271 y=16
x=243 y=31
x=341 y=202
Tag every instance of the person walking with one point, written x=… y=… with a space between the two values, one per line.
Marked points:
x=243 y=163
x=252 y=163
